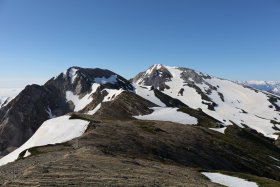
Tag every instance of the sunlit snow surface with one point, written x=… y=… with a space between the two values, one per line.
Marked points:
x=91 y=112
x=103 y=80
x=229 y=181
x=146 y=93
x=78 y=102
x=220 y=130
x=53 y=131
x=169 y=114
x=72 y=74
x=81 y=103
x=241 y=106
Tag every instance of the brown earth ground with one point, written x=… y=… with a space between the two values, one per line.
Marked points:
x=143 y=153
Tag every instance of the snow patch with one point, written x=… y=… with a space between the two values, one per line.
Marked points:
x=53 y=131
x=229 y=180
x=49 y=112
x=27 y=154
x=83 y=102
x=220 y=130
x=274 y=158
x=150 y=70
x=91 y=112
x=112 y=94
x=73 y=74
x=103 y=80
x=169 y=114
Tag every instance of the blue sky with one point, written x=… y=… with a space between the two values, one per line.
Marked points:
x=233 y=39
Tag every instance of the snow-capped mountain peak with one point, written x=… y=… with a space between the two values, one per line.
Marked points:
x=75 y=90
x=77 y=75
x=228 y=102
x=154 y=76
x=71 y=73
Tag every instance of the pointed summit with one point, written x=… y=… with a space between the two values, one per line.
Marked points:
x=155 y=76
x=71 y=91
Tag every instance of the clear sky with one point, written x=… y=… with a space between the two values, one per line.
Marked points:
x=233 y=39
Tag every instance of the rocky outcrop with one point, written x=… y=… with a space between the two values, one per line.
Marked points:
x=155 y=76
x=125 y=105
x=226 y=101
x=22 y=116
x=35 y=104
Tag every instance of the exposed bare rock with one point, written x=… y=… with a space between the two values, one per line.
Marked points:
x=35 y=104
x=125 y=105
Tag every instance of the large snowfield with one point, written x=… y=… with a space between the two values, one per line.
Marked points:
x=53 y=131
x=229 y=181
x=241 y=106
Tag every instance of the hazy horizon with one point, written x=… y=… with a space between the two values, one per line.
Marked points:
x=11 y=83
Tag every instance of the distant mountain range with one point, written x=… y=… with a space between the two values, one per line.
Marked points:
x=269 y=86
x=163 y=127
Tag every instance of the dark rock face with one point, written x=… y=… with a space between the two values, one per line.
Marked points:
x=277 y=142
x=3 y=101
x=23 y=116
x=125 y=105
x=156 y=77
x=192 y=77
x=84 y=78
x=20 y=118
x=167 y=100
x=188 y=74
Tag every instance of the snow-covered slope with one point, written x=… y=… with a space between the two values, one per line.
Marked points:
x=269 y=86
x=226 y=101
x=169 y=114
x=98 y=89
x=76 y=90
x=7 y=94
x=53 y=131
x=105 y=86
